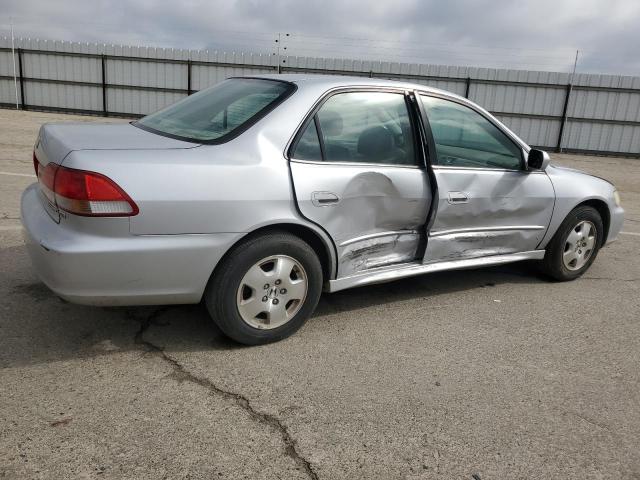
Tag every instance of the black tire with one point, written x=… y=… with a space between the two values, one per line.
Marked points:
x=553 y=264
x=221 y=294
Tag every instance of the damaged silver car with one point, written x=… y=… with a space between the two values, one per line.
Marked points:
x=258 y=193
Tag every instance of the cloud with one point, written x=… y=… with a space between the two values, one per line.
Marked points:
x=536 y=34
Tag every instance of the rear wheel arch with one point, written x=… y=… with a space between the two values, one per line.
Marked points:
x=265 y=288
x=319 y=245
x=315 y=241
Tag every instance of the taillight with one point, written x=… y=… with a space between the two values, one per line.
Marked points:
x=84 y=193
x=90 y=193
x=36 y=164
x=46 y=177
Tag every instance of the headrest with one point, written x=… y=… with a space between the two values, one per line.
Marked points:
x=375 y=143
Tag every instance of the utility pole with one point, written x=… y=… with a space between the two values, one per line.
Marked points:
x=13 y=57
x=575 y=64
x=565 y=109
x=278 y=45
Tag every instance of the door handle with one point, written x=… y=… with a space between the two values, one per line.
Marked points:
x=458 y=197
x=323 y=199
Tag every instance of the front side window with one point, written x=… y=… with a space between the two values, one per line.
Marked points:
x=464 y=138
x=214 y=113
x=361 y=127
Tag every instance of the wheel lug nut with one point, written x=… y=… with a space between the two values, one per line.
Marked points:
x=264 y=299
x=266 y=286
x=278 y=282
x=276 y=301
x=283 y=291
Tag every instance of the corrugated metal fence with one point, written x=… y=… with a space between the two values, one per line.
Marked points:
x=590 y=113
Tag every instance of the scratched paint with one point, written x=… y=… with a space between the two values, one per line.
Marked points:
x=379 y=252
x=479 y=244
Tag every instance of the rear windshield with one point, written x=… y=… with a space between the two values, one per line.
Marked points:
x=218 y=113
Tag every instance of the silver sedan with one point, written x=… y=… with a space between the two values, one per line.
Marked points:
x=258 y=193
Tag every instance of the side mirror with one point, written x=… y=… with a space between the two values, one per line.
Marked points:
x=537 y=159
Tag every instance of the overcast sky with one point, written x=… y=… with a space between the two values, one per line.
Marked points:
x=533 y=34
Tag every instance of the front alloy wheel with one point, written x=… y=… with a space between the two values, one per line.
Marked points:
x=575 y=244
x=579 y=245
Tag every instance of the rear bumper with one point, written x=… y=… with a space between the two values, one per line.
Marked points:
x=118 y=268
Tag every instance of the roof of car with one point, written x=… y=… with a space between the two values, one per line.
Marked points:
x=333 y=81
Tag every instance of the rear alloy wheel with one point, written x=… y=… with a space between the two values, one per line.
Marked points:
x=575 y=245
x=272 y=292
x=265 y=288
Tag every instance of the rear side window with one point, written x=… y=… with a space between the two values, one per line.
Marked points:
x=464 y=138
x=219 y=112
x=360 y=127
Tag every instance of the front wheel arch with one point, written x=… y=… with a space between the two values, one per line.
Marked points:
x=603 y=209
x=554 y=264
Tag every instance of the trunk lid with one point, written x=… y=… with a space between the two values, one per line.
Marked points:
x=58 y=139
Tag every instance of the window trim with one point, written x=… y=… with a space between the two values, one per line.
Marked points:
x=316 y=123
x=522 y=147
x=292 y=88
x=312 y=115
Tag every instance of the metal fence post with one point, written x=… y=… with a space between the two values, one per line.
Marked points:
x=468 y=87
x=563 y=120
x=23 y=100
x=189 y=89
x=103 y=61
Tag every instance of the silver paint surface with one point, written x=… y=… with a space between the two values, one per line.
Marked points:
x=197 y=201
x=497 y=198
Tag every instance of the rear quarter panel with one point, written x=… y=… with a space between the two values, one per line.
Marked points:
x=209 y=189
x=233 y=187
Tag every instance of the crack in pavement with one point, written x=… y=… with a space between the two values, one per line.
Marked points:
x=182 y=374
